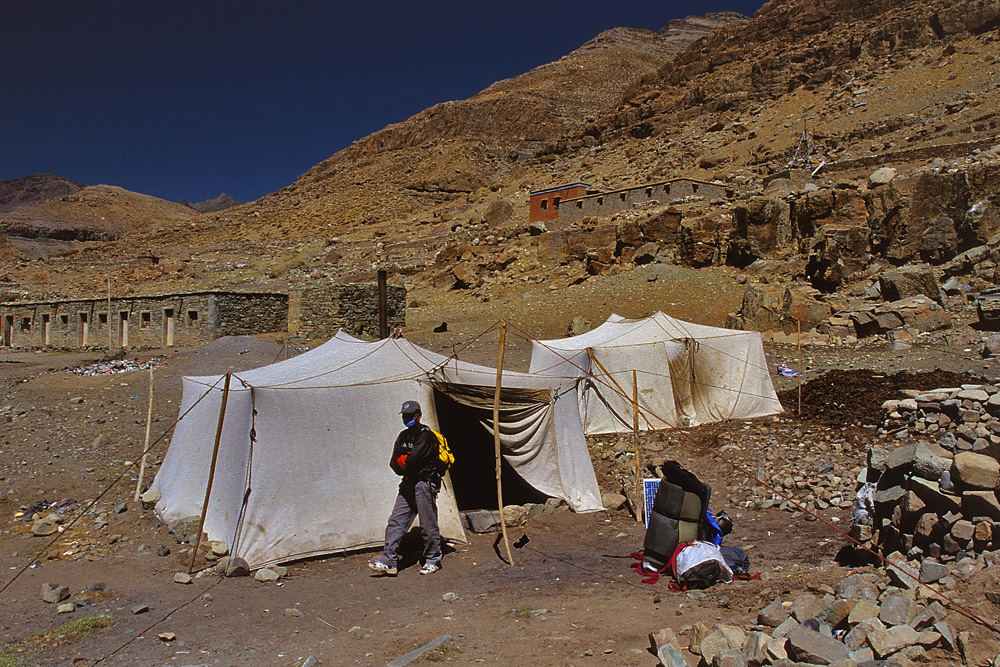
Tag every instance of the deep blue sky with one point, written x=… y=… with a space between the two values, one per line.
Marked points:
x=185 y=100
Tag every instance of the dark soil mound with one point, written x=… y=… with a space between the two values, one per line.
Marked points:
x=855 y=397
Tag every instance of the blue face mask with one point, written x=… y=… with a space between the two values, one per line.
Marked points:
x=409 y=420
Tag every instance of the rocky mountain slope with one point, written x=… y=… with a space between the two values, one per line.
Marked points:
x=95 y=213
x=441 y=199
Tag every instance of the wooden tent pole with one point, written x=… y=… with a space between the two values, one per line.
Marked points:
x=799 y=319
x=110 y=333
x=145 y=446
x=211 y=471
x=617 y=386
x=496 y=440
x=640 y=506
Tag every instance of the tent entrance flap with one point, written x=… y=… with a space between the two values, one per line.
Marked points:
x=473 y=475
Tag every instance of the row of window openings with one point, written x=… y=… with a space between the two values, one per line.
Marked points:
x=600 y=200
x=145 y=319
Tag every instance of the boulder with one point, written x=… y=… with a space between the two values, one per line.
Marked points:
x=855 y=587
x=806 y=606
x=762 y=307
x=514 y=515
x=801 y=309
x=888 y=641
x=773 y=614
x=975 y=471
x=483 y=521
x=805 y=645
x=881 y=176
x=856 y=638
x=149 y=500
x=237 y=567
x=981 y=503
x=930 y=572
x=54 y=593
x=908 y=281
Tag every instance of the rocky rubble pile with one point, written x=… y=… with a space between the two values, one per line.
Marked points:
x=962 y=418
x=926 y=500
x=895 y=618
x=779 y=312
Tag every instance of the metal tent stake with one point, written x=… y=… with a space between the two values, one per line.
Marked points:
x=496 y=440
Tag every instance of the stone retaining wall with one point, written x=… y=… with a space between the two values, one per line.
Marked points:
x=353 y=308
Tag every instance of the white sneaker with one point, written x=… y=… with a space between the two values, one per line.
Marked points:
x=429 y=568
x=381 y=568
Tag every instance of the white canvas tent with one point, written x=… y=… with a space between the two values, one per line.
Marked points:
x=687 y=374
x=303 y=459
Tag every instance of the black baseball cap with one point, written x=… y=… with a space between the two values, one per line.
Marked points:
x=410 y=408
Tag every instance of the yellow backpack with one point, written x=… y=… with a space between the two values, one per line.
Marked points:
x=445 y=457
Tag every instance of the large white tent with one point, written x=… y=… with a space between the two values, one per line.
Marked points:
x=302 y=466
x=686 y=373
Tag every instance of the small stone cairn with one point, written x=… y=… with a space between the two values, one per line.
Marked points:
x=936 y=497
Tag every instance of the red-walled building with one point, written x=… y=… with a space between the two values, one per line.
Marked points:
x=544 y=204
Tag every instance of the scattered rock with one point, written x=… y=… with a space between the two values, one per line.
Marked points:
x=54 y=593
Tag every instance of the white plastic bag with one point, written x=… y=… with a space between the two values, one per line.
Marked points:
x=700 y=565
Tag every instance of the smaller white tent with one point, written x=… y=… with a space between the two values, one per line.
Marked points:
x=686 y=373
x=303 y=458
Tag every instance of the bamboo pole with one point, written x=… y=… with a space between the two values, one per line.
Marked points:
x=617 y=386
x=496 y=440
x=799 y=320
x=640 y=507
x=145 y=446
x=211 y=471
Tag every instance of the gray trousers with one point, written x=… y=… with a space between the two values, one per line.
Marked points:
x=414 y=499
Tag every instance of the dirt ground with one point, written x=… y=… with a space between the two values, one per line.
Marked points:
x=571 y=598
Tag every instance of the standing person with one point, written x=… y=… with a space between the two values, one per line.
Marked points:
x=415 y=458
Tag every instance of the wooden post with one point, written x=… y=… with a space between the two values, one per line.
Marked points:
x=211 y=471
x=639 y=505
x=110 y=333
x=383 y=306
x=799 y=320
x=145 y=446
x=496 y=440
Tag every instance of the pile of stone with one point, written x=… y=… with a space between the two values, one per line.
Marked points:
x=865 y=617
x=904 y=319
x=936 y=499
x=965 y=418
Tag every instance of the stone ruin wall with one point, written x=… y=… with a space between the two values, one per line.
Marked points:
x=353 y=308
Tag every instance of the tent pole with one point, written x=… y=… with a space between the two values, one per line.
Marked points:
x=211 y=470
x=496 y=440
x=145 y=447
x=110 y=333
x=639 y=505
x=800 y=361
x=621 y=391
